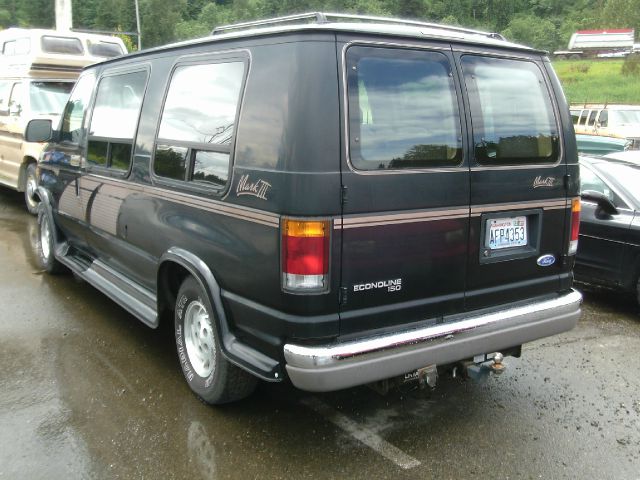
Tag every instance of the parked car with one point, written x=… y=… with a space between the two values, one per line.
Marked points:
x=38 y=68
x=599 y=145
x=618 y=121
x=609 y=244
x=302 y=200
x=628 y=155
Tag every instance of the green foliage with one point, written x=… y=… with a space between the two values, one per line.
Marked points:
x=631 y=66
x=596 y=81
x=545 y=24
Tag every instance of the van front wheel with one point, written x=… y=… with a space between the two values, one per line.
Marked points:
x=207 y=372
x=30 y=186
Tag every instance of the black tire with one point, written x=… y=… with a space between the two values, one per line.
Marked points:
x=30 y=183
x=46 y=244
x=211 y=376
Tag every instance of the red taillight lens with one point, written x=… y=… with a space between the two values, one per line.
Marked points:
x=575 y=226
x=305 y=255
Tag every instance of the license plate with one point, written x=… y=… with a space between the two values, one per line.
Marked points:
x=506 y=232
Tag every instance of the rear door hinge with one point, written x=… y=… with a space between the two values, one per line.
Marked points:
x=342 y=296
x=343 y=194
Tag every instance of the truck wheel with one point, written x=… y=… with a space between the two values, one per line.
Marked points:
x=575 y=56
x=46 y=244
x=207 y=372
x=30 y=186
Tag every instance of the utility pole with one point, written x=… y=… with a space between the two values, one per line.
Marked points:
x=138 y=25
x=64 y=15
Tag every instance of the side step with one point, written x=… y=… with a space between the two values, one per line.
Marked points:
x=139 y=302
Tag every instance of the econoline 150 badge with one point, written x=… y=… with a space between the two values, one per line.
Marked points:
x=546 y=260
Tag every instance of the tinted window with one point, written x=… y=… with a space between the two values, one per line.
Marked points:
x=48 y=98
x=115 y=119
x=575 y=115
x=583 y=116
x=402 y=109
x=72 y=127
x=105 y=49
x=66 y=45
x=198 y=123
x=511 y=111
x=603 y=119
x=592 y=117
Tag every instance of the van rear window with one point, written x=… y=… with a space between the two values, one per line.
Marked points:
x=511 y=112
x=65 y=45
x=403 y=110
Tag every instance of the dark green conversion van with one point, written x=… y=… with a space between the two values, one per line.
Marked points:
x=321 y=199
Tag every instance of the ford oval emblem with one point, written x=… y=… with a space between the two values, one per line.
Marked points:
x=546 y=260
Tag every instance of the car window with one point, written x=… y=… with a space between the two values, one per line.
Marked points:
x=403 y=111
x=603 y=118
x=514 y=121
x=589 y=180
x=104 y=49
x=49 y=98
x=575 y=115
x=64 y=45
x=16 y=99
x=583 y=117
x=592 y=117
x=72 y=129
x=198 y=123
x=115 y=119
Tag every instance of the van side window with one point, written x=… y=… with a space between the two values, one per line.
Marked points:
x=403 y=110
x=583 y=117
x=72 y=128
x=603 y=118
x=198 y=123
x=115 y=119
x=513 y=122
x=575 y=115
x=592 y=118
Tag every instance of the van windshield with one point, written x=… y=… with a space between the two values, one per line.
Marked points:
x=49 y=98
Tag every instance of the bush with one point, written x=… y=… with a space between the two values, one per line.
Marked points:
x=631 y=66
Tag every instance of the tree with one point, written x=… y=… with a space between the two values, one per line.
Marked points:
x=533 y=31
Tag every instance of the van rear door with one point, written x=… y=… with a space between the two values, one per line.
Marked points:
x=406 y=187
x=519 y=206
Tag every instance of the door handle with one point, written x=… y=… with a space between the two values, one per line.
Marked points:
x=77 y=187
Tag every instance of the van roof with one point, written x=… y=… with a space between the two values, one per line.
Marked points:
x=357 y=24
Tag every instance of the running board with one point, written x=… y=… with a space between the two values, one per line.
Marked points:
x=135 y=300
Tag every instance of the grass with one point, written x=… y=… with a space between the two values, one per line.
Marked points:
x=597 y=81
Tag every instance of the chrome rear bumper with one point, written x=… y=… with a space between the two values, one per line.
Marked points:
x=341 y=365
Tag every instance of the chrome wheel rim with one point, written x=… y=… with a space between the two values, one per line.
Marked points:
x=45 y=239
x=199 y=339
x=31 y=189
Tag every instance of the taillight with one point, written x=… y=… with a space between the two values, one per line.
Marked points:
x=305 y=255
x=575 y=226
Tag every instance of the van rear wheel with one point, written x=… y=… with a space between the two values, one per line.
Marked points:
x=30 y=186
x=211 y=376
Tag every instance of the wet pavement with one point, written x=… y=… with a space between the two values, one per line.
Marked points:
x=87 y=391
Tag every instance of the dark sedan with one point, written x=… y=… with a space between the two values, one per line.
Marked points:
x=609 y=242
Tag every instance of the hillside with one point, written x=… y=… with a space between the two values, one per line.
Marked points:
x=601 y=81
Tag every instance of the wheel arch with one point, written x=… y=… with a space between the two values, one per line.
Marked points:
x=22 y=175
x=181 y=262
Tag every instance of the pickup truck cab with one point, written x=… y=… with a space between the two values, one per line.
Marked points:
x=331 y=203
